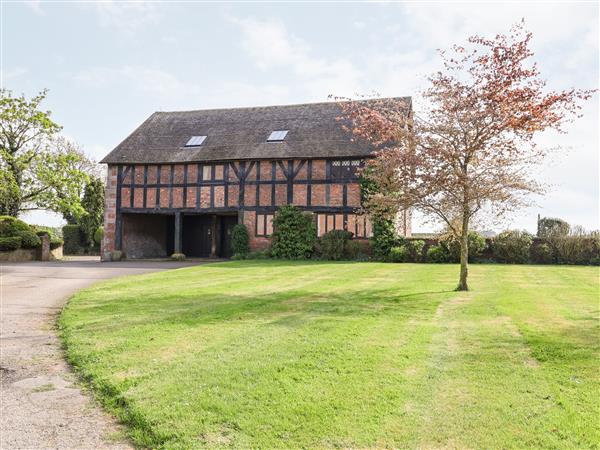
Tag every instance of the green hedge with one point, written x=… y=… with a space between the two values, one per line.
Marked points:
x=10 y=243
x=73 y=239
x=13 y=227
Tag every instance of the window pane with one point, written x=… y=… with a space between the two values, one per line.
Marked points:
x=368 y=228
x=269 y=230
x=330 y=222
x=339 y=222
x=360 y=226
x=260 y=224
x=206 y=173
x=321 y=224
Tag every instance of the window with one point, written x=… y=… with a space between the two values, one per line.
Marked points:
x=195 y=141
x=359 y=226
x=264 y=224
x=277 y=135
x=344 y=169
x=207 y=172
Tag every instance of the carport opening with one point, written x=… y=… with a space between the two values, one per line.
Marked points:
x=148 y=235
x=207 y=235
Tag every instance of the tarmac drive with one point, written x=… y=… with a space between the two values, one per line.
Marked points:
x=42 y=405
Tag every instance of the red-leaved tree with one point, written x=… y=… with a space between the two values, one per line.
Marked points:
x=473 y=147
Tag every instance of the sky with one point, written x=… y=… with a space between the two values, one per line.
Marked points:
x=109 y=65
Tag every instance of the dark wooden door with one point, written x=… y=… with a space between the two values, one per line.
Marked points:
x=197 y=236
x=227 y=224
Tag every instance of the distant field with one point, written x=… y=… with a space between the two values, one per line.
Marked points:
x=283 y=354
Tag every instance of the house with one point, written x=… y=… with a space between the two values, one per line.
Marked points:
x=182 y=180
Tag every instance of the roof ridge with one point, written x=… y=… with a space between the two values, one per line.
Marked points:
x=408 y=97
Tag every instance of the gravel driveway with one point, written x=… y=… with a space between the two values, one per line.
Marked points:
x=41 y=404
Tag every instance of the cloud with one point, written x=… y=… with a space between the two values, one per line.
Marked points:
x=15 y=73
x=271 y=46
x=126 y=17
x=35 y=6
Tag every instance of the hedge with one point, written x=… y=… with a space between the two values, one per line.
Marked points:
x=10 y=243
x=13 y=227
x=73 y=240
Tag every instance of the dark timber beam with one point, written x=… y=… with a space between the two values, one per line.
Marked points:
x=213 y=242
x=178 y=232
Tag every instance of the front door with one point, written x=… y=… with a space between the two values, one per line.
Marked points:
x=197 y=236
x=227 y=224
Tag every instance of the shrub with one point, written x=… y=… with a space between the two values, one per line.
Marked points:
x=73 y=240
x=541 y=254
x=9 y=243
x=475 y=241
x=240 y=241
x=399 y=254
x=174 y=257
x=55 y=243
x=352 y=251
x=384 y=238
x=261 y=254
x=437 y=254
x=415 y=249
x=29 y=239
x=98 y=235
x=11 y=226
x=294 y=234
x=578 y=247
x=512 y=246
x=333 y=244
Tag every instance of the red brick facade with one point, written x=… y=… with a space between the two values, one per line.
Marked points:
x=251 y=189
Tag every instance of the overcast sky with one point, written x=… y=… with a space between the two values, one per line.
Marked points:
x=110 y=65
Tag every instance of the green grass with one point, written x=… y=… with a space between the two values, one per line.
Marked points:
x=280 y=354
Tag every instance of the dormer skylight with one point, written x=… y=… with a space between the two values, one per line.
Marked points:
x=277 y=136
x=195 y=141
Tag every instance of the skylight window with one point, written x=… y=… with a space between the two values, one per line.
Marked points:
x=277 y=135
x=195 y=141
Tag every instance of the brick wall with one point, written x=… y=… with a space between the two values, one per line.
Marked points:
x=110 y=211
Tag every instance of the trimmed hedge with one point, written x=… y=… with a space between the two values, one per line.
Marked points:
x=13 y=227
x=10 y=243
x=73 y=238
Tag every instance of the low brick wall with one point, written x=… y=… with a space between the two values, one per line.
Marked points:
x=26 y=254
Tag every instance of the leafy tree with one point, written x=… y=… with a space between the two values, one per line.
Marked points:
x=473 y=147
x=554 y=226
x=41 y=170
x=92 y=204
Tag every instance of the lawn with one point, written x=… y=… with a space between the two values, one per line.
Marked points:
x=308 y=354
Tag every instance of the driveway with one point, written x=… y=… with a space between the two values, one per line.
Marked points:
x=41 y=404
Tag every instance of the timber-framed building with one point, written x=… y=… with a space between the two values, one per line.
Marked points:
x=182 y=180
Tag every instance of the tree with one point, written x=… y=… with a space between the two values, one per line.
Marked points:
x=473 y=149
x=552 y=226
x=92 y=204
x=42 y=170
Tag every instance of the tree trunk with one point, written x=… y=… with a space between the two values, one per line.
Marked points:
x=464 y=255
